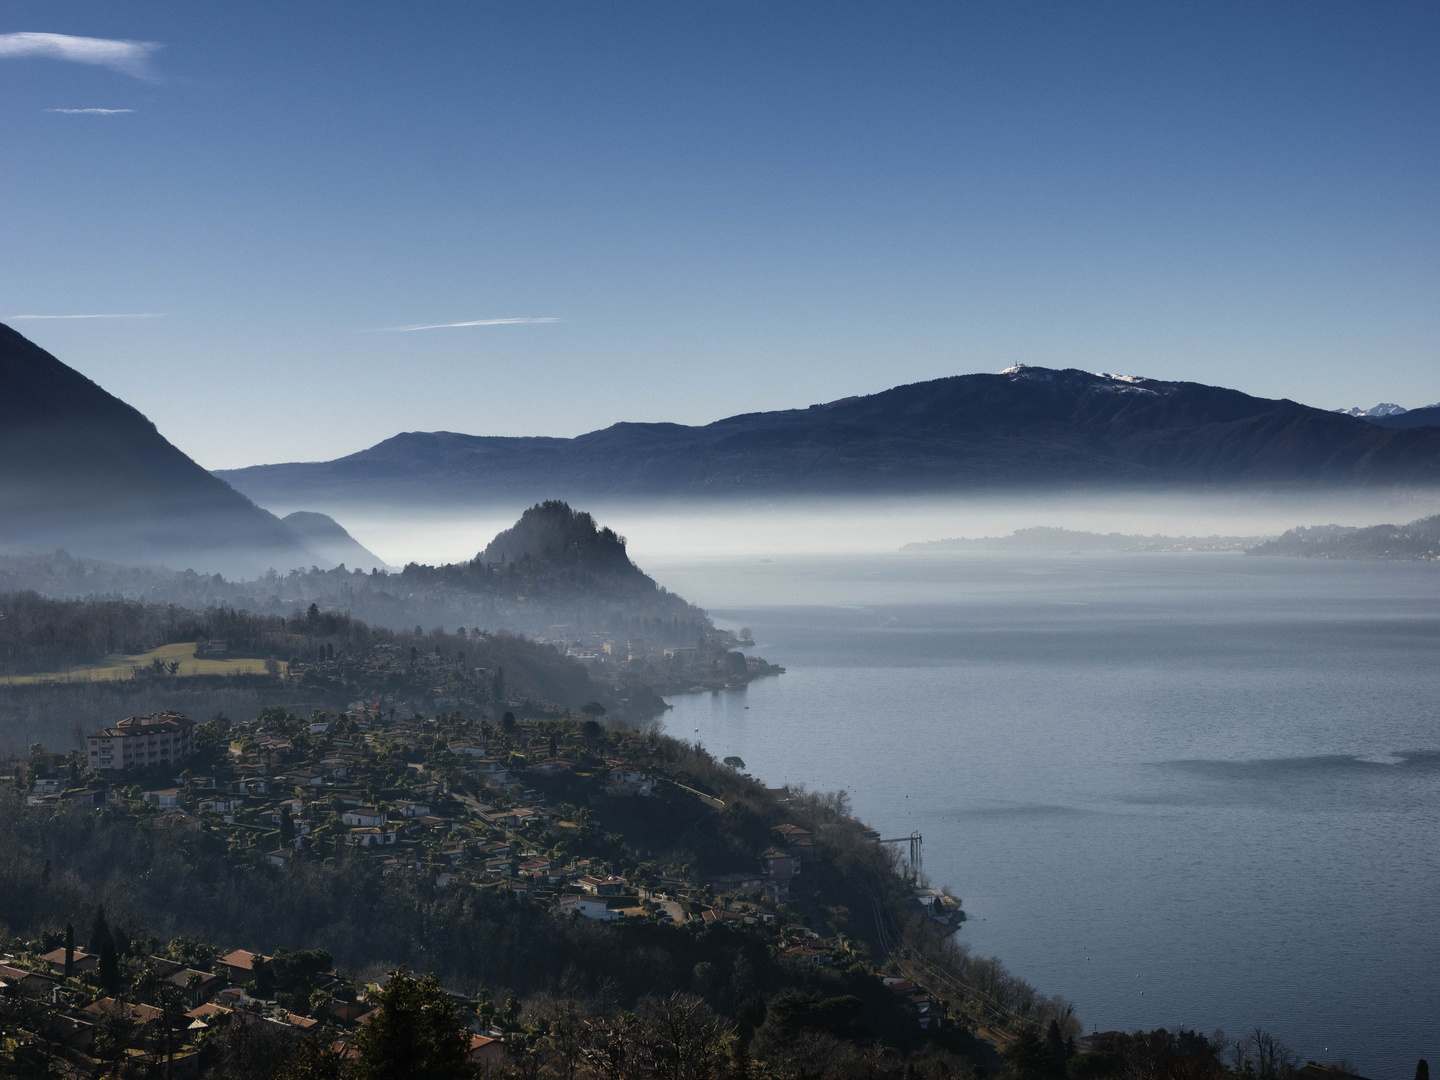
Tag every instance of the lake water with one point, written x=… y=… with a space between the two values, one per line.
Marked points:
x=1177 y=789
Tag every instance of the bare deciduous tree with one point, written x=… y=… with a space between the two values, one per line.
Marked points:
x=1262 y=1056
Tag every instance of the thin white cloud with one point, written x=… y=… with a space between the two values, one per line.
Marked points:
x=472 y=322
x=122 y=315
x=91 y=112
x=127 y=57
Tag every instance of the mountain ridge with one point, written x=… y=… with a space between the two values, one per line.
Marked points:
x=84 y=470
x=330 y=540
x=1024 y=426
x=1426 y=416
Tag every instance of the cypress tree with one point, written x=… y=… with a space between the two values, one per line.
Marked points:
x=99 y=933
x=69 y=949
x=1055 y=1043
x=287 y=827
x=1422 y=1070
x=109 y=967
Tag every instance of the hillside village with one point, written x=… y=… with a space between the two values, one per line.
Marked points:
x=561 y=816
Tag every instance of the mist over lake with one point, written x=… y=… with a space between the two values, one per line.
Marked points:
x=661 y=530
x=1179 y=789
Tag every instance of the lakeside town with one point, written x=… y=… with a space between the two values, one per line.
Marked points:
x=555 y=814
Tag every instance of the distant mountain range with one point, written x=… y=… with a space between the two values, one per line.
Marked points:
x=1022 y=427
x=82 y=470
x=1429 y=416
x=1375 y=412
x=1419 y=541
x=1046 y=540
x=1388 y=414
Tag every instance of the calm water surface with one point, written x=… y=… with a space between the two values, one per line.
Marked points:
x=1199 y=790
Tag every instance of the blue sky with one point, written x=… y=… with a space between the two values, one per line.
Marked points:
x=726 y=208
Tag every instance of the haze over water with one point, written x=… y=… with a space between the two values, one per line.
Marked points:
x=1178 y=789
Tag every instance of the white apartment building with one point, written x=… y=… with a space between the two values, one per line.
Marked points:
x=164 y=738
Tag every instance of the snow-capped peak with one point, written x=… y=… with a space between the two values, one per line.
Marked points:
x=1385 y=408
x=1125 y=383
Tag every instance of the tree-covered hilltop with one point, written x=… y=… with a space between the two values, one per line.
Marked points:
x=552 y=540
x=555 y=573
x=1418 y=541
x=556 y=565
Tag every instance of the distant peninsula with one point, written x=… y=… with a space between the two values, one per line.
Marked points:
x=1046 y=540
x=1418 y=541
x=552 y=613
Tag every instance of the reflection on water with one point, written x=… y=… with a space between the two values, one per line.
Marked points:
x=1212 y=779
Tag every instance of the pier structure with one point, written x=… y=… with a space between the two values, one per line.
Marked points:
x=914 y=840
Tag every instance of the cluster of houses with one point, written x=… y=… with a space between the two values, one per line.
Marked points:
x=444 y=798
x=161 y=1020
x=423 y=796
x=460 y=812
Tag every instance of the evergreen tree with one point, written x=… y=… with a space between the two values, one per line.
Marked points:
x=262 y=976
x=99 y=933
x=109 y=967
x=1055 y=1044
x=1028 y=1058
x=315 y=1058
x=287 y=827
x=1422 y=1070
x=69 y=949
x=415 y=1032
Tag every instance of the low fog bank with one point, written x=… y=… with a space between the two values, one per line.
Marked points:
x=662 y=531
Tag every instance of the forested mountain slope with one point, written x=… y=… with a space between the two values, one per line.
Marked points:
x=81 y=469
